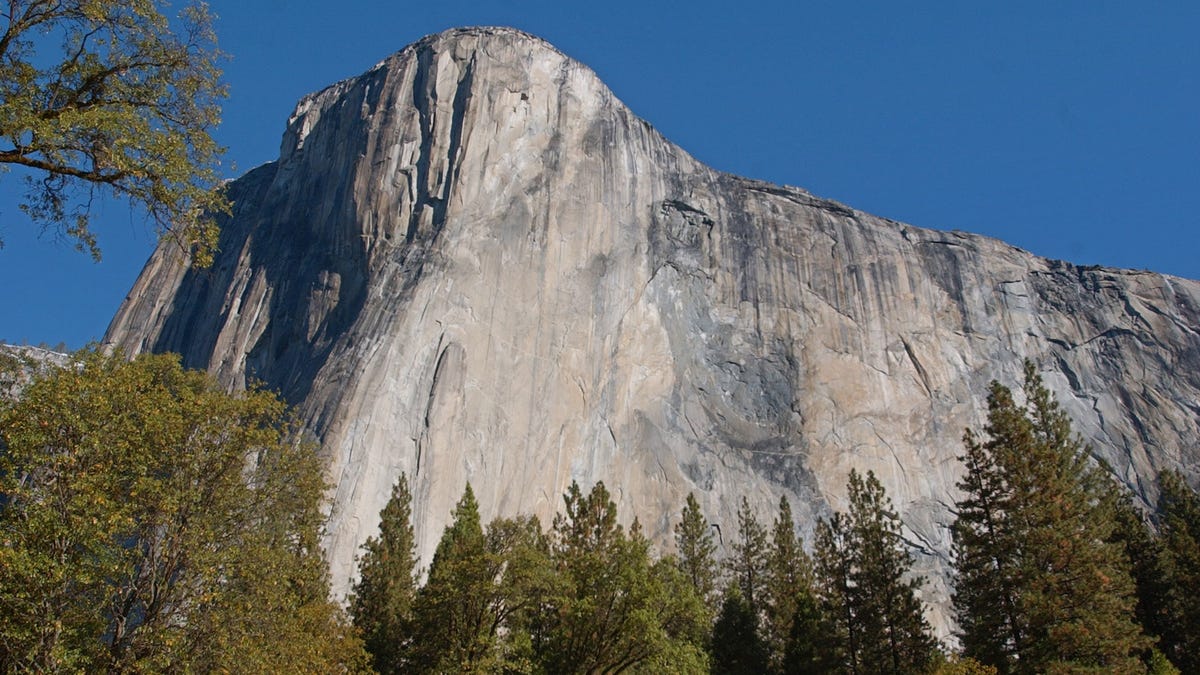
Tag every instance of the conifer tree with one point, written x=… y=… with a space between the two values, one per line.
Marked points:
x=878 y=623
x=896 y=637
x=614 y=610
x=788 y=585
x=806 y=651
x=737 y=646
x=696 y=550
x=1179 y=517
x=1037 y=565
x=987 y=600
x=832 y=567
x=455 y=623
x=1144 y=549
x=747 y=566
x=381 y=599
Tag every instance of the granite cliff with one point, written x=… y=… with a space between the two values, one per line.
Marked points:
x=474 y=263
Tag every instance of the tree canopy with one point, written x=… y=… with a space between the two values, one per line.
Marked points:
x=747 y=567
x=1179 y=518
x=616 y=610
x=789 y=591
x=1042 y=586
x=460 y=610
x=738 y=646
x=153 y=523
x=875 y=622
x=695 y=550
x=112 y=97
x=382 y=599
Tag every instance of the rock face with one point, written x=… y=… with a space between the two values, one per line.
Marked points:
x=472 y=263
x=18 y=364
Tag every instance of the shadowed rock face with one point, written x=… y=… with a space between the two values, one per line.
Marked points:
x=473 y=263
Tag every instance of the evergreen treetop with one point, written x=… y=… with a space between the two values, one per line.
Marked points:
x=788 y=586
x=696 y=550
x=1041 y=585
x=874 y=621
x=747 y=566
x=382 y=597
x=1179 y=518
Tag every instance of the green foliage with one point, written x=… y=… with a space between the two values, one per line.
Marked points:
x=151 y=522
x=614 y=609
x=963 y=665
x=787 y=585
x=737 y=644
x=106 y=96
x=1179 y=518
x=381 y=600
x=479 y=610
x=805 y=652
x=877 y=624
x=684 y=619
x=1042 y=585
x=456 y=623
x=1148 y=567
x=835 y=596
x=696 y=551
x=594 y=607
x=747 y=567
x=896 y=637
x=588 y=598
x=526 y=586
x=987 y=599
x=1159 y=664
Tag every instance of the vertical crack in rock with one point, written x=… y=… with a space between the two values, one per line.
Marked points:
x=445 y=391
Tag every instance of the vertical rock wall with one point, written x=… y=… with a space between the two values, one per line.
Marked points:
x=473 y=263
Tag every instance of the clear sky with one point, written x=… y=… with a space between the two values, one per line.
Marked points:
x=1068 y=128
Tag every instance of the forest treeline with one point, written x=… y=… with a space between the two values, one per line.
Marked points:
x=151 y=523
x=1056 y=572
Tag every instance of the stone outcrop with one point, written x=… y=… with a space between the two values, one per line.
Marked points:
x=20 y=363
x=473 y=263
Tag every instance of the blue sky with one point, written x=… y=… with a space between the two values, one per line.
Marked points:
x=1071 y=129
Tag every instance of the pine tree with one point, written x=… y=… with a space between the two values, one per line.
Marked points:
x=1179 y=518
x=788 y=584
x=895 y=636
x=806 y=651
x=381 y=600
x=1146 y=555
x=986 y=600
x=832 y=567
x=614 y=610
x=1037 y=565
x=872 y=616
x=456 y=625
x=747 y=566
x=737 y=646
x=696 y=550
